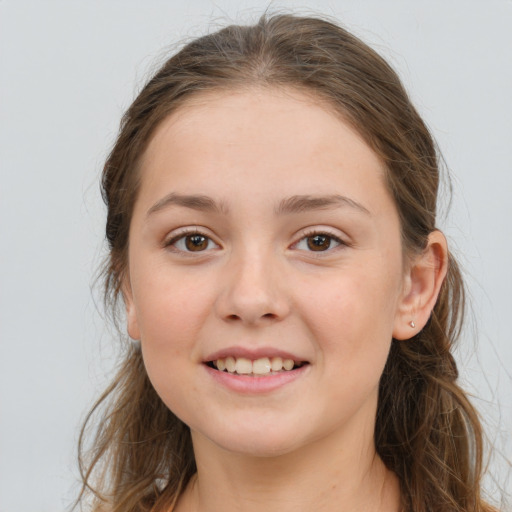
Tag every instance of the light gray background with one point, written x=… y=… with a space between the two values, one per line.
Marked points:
x=68 y=70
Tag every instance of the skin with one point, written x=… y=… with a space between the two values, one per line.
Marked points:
x=255 y=284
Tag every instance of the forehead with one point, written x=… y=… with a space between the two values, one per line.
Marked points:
x=250 y=141
x=263 y=110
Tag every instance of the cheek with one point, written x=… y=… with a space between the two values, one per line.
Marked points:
x=171 y=313
x=351 y=318
x=359 y=300
x=170 y=309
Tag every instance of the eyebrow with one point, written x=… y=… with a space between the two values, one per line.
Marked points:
x=293 y=204
x=192 y=201
x=304 y=203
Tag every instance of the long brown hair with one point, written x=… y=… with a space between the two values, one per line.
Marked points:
x=426 y=430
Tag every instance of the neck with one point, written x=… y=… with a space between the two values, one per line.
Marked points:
x=315 y=478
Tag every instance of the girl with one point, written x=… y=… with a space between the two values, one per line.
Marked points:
x=272 y=229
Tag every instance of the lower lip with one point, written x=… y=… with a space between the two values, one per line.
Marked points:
x=255 y=385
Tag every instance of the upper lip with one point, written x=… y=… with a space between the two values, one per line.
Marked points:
x=252 y=353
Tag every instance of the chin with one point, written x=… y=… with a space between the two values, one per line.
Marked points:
x=255 y=439
x=255 y=447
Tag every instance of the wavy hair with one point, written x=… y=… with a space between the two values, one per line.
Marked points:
x=140 y=455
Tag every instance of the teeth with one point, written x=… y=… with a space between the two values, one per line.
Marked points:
x=288 y=364
x=262 y=366
x=243 y=366
x=277 y=364
x=230 y=364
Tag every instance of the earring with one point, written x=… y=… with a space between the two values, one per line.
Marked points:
x=412 y=324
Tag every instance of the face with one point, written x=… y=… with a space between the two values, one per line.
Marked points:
x=265 y=271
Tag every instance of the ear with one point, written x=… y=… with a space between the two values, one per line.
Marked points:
x=132 y=325
x=422 y=283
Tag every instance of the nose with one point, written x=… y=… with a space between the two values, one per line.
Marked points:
x=253 y=291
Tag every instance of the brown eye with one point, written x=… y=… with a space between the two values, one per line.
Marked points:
x=196 y=242
x=319 y=242
x=191 y=242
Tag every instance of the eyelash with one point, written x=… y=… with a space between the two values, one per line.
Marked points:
x=332 y=238
x=182 y=236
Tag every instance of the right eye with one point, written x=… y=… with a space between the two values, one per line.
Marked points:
x=192 y=242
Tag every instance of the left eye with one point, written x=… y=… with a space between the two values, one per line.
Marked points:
x=193 y=242
x=318 y=242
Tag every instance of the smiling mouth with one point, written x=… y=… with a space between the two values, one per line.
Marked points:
x=259 y=367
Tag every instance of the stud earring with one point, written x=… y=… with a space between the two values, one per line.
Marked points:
x=412 y=324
